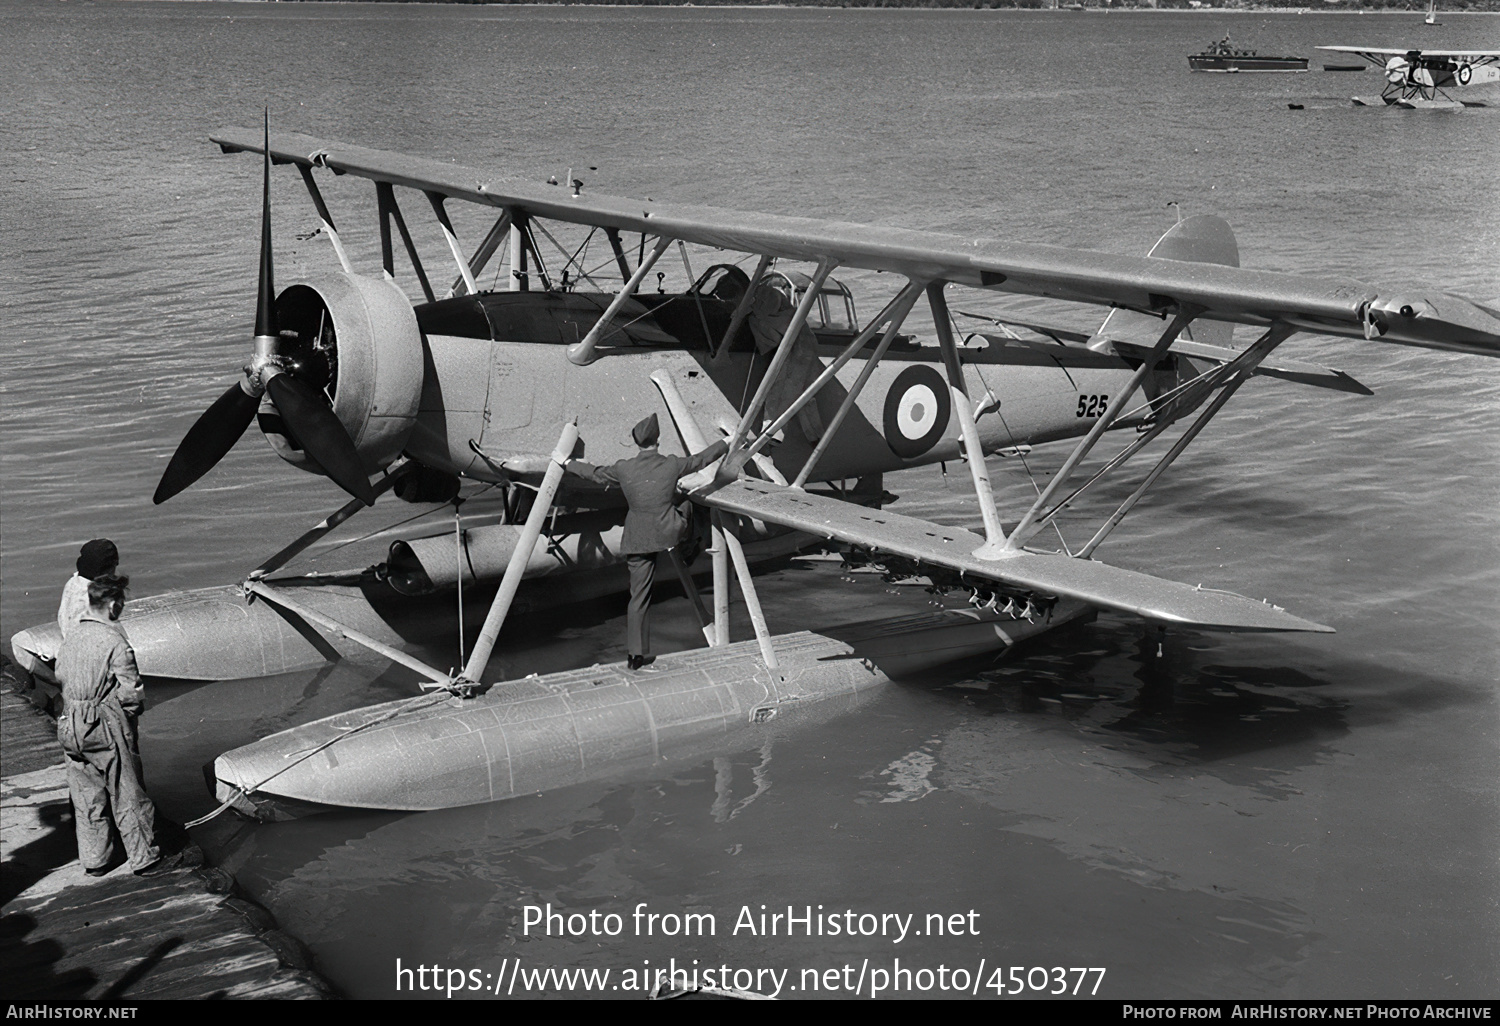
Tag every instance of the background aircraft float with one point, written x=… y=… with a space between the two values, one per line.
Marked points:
x=1420 y=79
x=348 y=379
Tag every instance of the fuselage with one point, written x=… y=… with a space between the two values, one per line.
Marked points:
x=499 y=387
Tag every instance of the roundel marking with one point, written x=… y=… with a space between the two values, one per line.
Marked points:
x=1464 y=74
x=916 y=411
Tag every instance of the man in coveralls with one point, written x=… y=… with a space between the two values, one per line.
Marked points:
x=653 y=523
x=101 y=691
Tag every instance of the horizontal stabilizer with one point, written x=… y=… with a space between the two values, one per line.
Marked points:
x=1051 y=574
x=1272 y=367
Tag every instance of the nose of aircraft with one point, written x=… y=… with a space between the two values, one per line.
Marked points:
x=303 y=408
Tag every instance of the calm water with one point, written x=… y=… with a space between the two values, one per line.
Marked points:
x=1245 y=817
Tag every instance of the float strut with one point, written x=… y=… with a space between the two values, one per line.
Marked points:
x=690 y=589
x=521 y=554
x=752 y=605
x=693 y=441
x=721 y=582
x=330 y=522
x=394 y=654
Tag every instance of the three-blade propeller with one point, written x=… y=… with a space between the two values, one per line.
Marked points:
x=304 y=410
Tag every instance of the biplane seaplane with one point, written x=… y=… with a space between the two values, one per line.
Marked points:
x=1421 y=79
x=348 y=378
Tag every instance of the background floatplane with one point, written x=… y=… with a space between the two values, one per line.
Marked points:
x=347 y=378
x=1421 y=79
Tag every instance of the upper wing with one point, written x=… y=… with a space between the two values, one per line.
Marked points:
x=1337 y=306
x=1402 y=51
x=1050 y=574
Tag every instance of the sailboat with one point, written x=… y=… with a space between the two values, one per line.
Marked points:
x=1431 y=18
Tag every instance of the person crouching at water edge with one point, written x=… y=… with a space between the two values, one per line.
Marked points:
x=102 y=696
x=653 y=523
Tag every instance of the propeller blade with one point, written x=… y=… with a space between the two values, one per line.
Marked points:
x=206 y=442
x=265 y=293
x=322 y=434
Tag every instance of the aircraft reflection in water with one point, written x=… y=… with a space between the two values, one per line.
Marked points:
x=348 y=379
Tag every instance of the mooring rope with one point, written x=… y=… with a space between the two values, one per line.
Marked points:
x=411 y=704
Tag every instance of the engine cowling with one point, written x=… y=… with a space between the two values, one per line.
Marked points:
x=356 y=340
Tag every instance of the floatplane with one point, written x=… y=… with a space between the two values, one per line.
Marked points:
x=1419 y=79
x=349 y=378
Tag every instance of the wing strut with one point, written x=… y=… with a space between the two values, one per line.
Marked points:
x=898 y=309
x=1029 y=523
x=994 y=535
x=1242 y=368
x=784 y=349
x=326 y=217
x=582 y=353
x=519 y=282
x=391 y=210
x=1187 y=396
x=620 y=261
x=436 y=199
x=811 y=391
x=487 y=248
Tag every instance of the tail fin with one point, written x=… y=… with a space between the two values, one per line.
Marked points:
x=1202 y=238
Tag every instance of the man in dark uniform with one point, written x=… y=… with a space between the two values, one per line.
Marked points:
x=653 y=523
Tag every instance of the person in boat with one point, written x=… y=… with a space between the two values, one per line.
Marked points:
x=98 y=558
x=653 y=522
x=1224 y=48
x=770 y=316
x=102 y=697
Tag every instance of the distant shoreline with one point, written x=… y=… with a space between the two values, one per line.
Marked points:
x=1411 y=7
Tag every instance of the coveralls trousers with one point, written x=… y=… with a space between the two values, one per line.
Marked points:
x=97 y=732
x=105 y=783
